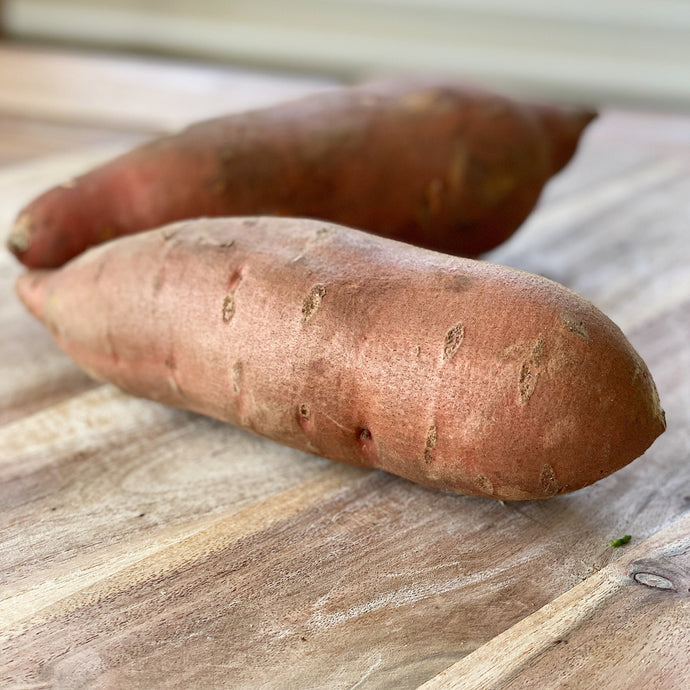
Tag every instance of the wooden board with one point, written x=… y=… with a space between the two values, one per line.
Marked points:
x=147 y=547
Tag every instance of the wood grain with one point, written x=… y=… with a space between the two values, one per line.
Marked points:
x=146 y=547
x=629 y=624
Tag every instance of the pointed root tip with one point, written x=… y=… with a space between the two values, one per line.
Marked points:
x=19 y=239
x=564 y=127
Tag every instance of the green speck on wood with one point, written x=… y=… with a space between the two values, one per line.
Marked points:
x=621 y=540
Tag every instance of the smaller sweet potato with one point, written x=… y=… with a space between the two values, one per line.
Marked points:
x=451 y=372
x=435 y=164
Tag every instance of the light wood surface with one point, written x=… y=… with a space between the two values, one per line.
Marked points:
x=146 y=547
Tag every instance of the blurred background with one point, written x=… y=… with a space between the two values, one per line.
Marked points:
x=614 y=52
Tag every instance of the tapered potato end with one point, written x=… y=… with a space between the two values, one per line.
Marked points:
x=31 y=288
x=563 y=127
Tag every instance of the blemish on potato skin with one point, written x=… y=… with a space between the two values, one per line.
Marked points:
x=304 y=417
x=99 y=271
x=236 y=377
x=453 y=340
x=547 y=481
x=526 y=383
x=367 y=447
x=169 y=233
x=484 y=484
x=312 y=302
x=576 y=326
x=430 y=444
x=529 y=374
x=159 y=280
x=19 y=238
x=228 y=308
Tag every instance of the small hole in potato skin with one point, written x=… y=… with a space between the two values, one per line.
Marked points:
x=363 y=434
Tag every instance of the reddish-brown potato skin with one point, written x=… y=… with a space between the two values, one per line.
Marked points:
x=434 y=164
x=455 y=373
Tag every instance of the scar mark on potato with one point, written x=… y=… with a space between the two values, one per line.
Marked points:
x=453 y=340
x=538 y=352
x=159 y=280
x=236 y=377
x=20 y=235
x=484 y=484
x=312 y=302
x=548 y=482
x=99 y=270
x=527 y=382
x=529 y=374
x=430 y=444
x=228 y=308
x=576 y=326
x=363 y=434
x=304 y=418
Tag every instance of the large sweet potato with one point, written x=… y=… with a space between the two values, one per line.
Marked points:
x=455 y=373
x=435 y=164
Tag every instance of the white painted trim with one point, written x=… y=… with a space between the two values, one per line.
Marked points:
x=604 y=51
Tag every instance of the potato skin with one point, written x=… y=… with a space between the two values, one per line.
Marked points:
x=436 y=164
x=455 y=373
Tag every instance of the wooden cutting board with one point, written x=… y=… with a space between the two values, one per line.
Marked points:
x=146 y=547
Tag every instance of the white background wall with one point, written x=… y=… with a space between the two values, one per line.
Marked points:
x=631 y=52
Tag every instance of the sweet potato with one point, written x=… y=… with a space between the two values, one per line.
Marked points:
x=451 y=372
x=434 y=164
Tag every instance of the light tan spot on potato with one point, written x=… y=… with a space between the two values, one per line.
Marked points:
x=236 y=377
x=529 y=373
x=228 y=308
x=457 y=170
x=426 y=99
x=433 y=197
x=418 y=101
x=312 y=302
x=430 y=444
x=19 y=238
x=548 y=482
x=527 y=382
x=105 y=233
x=497 y=187
x=538 y=352
x=453 y=340
x=576 y=326
x=169 y=232
x=484 y=484
x=69 y=184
